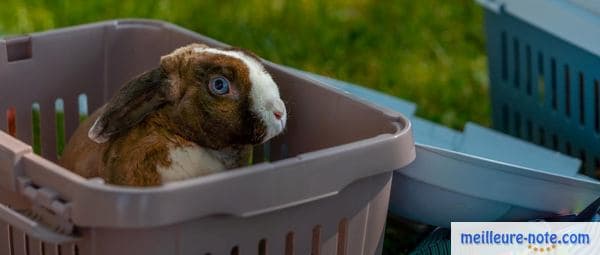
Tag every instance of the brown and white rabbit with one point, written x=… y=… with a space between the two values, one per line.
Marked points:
x=199 y=113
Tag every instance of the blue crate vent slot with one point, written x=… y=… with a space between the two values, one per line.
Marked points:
x=478 y=174
x=544 y=67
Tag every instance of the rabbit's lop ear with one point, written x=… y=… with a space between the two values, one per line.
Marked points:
x=132 y=103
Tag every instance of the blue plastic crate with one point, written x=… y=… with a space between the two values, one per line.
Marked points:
x=478 y=174
x=544 y=67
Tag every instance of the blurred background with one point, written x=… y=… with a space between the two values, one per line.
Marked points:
x=430 y=52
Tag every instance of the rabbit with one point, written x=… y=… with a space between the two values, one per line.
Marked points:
x=200 y=112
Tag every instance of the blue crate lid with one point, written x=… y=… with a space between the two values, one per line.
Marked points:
x=402 y=106
x=574 y=21
x=486 y=143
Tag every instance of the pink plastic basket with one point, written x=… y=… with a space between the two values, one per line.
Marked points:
x=322 y=188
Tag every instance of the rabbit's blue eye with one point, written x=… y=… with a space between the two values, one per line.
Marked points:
x=219 y=85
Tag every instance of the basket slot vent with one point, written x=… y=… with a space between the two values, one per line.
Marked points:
x=235 y=250
x=567 y=91
x=516 y=64
x=569 y=148
x=581 y=99
x=597 y=163
x=34 y=247
x=542 y=134
x=82 y=102
x=540 y=79
x=284 y=151
x=529 y=130
x=27 y=250
x=36 y=128
x=267 y=152
x=11 y=121
x=504 y=54
x=11 y=241
x=51 y=249
x=19 y=242
x=528 y=71
x=262 y=247
x=555 y=142
x=553 y=83
x=4 y=238
x=505 y=124
x=316 y=240
x=517 y=124
x=583 y=157
x=257 y=154
x=289 y=243
x=597 y=106
x=69 y=249
x=59 y=111
x=342 y=237
x=18 y=49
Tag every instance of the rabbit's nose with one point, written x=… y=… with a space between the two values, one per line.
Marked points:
x=277 y=107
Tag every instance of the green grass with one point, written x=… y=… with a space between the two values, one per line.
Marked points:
x=427 y=51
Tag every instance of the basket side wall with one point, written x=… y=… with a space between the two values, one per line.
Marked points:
x=351 y=222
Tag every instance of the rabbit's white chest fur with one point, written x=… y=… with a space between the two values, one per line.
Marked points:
x=188 y=162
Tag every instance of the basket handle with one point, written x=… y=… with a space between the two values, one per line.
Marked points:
x=11 y=151
x=32 y=227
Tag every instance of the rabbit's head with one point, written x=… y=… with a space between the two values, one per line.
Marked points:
x=211 y=96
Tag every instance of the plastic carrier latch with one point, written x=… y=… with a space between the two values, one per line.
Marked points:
x=47 y=206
